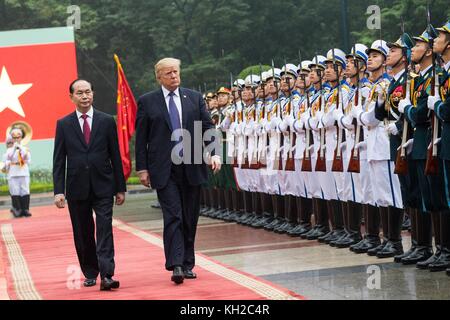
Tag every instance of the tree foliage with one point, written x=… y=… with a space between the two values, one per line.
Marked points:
x=213 y=38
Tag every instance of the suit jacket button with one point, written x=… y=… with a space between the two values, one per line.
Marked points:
x=87 y=167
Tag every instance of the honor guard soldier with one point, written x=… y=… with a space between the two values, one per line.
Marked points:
x=431 y=186
x=332 y=182
x=386 y=189
x=301 y=106
x=18 y=157
x=440 y=103
x=311 y=122
x=4 y=168
x=358 y=183
x=287 y=177
x=249 y=174
x=398 y=61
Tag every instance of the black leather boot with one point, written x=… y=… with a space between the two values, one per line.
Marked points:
x=436 y=221
x=304 y=212
x=276 y=213
x=322 y=226
x=406 y=221
x=248 y=210
x=25 y=204
x=344 y=208
x=267 y=212
x=413 y=214
x=336 y=220
x=372 y=231
x=385 y=226
x=443 y=262
x=291 y=215
x=16 y=206
x=315 y=207
x=225 y=210
x=394 y=245
x=218 y=203
x=256 y=207
x=354 y=226
x=423 y=250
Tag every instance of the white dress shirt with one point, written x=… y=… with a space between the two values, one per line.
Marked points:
x=90 y=115
x=176 y=99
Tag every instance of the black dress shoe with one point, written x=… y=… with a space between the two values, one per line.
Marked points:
x=178 y=275
x=189 y=274
x=89 y=282
x=108 y=284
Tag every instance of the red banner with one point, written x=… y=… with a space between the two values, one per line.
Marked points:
x=126 y=117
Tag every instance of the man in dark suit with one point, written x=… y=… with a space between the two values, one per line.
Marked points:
x=87 y=140
x=166 y=164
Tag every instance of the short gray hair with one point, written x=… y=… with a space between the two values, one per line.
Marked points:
x=166 y=63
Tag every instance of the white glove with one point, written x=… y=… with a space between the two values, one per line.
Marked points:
x=392 y=129
x=403 y=104
x=361 y=145
x=289 y=120
x=240 y=128
x=408 y=146
x=319 y=115
x=432 y=101
x=347 y=121
x=437 y=141
x=380 y=92
x=283 y=126
x=298 y=125
x=257 y=128
x=338 y=114
x=275 y=123
x=248 y=129
x=343 y=146
x=356 y=111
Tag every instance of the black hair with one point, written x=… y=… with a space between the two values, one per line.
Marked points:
x=75 y=81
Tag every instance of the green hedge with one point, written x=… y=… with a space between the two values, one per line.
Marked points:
x=39 y=187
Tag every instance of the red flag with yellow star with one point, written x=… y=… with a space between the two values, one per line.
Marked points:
x=126 y=117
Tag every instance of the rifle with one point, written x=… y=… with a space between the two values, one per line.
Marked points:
x=432 y=164
x=306 y=163
x=246 y=113
x=262 y=115
x=290 y=161
x=321 y=163
x=253 y=160
x=277 y=165
x=401 y=162
x=338 y=164
x=234 y=119
x=354 y=164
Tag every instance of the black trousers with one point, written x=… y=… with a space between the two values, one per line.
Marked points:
x=94 y=256
x=180 y=206
x=432 y=188
x=409 y=185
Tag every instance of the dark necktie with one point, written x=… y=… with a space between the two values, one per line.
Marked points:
x=86 y=129
x=174 y=117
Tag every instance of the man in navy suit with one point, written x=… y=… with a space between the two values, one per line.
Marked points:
x=87 y=151
x=167 y=165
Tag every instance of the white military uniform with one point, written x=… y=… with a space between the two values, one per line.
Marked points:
x=17 y=159
x=386 y=186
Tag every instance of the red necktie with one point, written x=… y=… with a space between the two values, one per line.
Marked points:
x=86 y=129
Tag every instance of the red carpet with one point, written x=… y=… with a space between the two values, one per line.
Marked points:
x=40 y=261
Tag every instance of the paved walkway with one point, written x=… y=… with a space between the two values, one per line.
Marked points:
x=313 y=270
